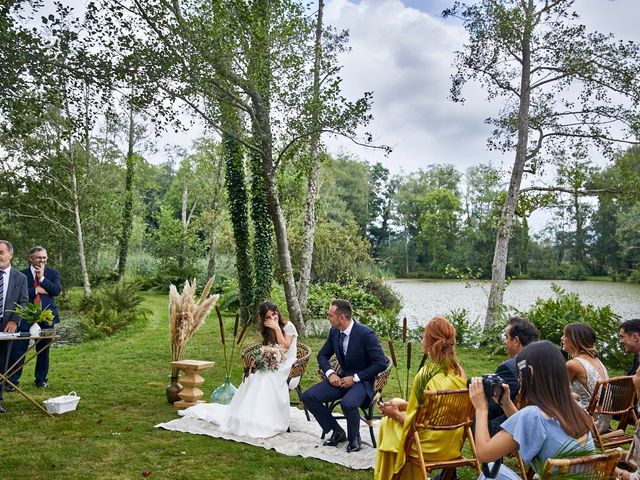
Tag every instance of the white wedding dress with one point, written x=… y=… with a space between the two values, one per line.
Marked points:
x=260 y=406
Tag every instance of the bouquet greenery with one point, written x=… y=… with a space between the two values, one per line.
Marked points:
x=267 y=358
x=33 y=313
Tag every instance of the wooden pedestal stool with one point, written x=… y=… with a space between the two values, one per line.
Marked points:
x=191 y=381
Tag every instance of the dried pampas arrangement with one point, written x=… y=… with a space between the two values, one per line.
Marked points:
x=186 y=315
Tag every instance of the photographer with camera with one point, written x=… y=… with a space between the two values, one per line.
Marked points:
x=518 y=333
x=548 y=420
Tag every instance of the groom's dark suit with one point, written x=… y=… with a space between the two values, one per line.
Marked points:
x=365 y=358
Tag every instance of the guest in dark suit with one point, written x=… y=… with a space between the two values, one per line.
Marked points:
x=361 y=358
x=518 y=333
x=13 y=291
x=43 y=284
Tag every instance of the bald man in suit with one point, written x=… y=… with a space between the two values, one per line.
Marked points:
x=13 y=291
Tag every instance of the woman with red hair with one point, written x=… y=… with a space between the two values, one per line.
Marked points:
x=439 y=342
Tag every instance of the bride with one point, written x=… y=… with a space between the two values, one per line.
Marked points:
x=260 y=406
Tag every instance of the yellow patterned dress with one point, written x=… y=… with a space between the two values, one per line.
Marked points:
x=436 y=445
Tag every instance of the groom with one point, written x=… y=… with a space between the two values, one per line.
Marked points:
x=361 y=358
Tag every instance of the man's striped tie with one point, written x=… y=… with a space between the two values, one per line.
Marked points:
x=1 y=292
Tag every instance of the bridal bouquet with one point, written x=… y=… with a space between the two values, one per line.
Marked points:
x=268 y=358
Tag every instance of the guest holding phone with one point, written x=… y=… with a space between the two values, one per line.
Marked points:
x=438 y=342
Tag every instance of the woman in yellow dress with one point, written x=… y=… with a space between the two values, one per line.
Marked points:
x=438 y=341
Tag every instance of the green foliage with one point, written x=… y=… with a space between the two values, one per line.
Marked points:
x=238 y=209
x=467 y=333
x=111 y=308
x=577 y=271
x=177 y=247
x=229 y=292
x=33 y=313
x=364 y=304
x=339 y=252
x=385 y=324
x=634 y=277
x=263 y=234
x=550 y=316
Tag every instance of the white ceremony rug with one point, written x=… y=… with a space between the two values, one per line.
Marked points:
x=303 y=440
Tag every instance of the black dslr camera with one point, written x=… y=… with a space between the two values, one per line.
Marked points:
x=492 y=385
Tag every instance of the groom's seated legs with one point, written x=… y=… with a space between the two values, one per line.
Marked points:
x=350 y=404
x=315 y=397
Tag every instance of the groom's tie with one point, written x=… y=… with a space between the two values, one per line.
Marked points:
x=343 y=338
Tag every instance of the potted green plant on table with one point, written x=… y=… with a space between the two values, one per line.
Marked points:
x=35 y=315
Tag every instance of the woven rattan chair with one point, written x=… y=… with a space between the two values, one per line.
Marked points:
x=298 y=368
x=600 y=466
x=613 y=396
x=442 y=410
x=366 y=411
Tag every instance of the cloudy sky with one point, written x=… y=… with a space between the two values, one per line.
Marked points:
x=403 y=52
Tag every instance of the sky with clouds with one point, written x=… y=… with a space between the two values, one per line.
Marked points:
x=403 y=51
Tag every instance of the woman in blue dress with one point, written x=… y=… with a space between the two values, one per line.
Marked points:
x=548 y=422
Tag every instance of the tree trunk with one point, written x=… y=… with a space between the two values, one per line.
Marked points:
x=259 y=71
x=211 y=264
x=284 y=257
x=215 y=209
x=237 y=194
x=406 y=252
x=312 y=183
x=184 y=221
x=262 y=234
x=127 y=209
x=500 y=256
x=580 y=236
x=76 y=216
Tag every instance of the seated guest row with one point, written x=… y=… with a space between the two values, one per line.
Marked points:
x=552 y=399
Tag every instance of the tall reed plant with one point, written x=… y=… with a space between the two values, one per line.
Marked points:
x=238 y=338
x=186 y=315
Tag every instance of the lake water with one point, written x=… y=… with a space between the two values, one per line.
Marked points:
x=422 y=299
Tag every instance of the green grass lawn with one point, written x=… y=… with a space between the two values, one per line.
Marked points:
x=122 y=383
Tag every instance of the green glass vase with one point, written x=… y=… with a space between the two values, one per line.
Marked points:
x=224 y=393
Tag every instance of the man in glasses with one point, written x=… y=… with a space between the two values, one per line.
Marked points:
x=518 y=333
x=43 y=284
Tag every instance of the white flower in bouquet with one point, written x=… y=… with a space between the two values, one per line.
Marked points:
x=268 y=358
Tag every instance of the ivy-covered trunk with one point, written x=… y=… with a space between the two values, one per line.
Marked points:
x=127 y=209
x=259 y=71
x=238 y=200
x=262 y=233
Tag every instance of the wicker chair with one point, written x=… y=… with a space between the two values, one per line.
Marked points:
x=600 y=466
x=367 y=414
x=613 y=396
x=442 y=410
x=295 y=374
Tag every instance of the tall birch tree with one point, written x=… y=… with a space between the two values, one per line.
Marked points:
x=564 y=88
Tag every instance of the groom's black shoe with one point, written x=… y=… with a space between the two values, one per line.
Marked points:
x=338 y=436
x=354 y=445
